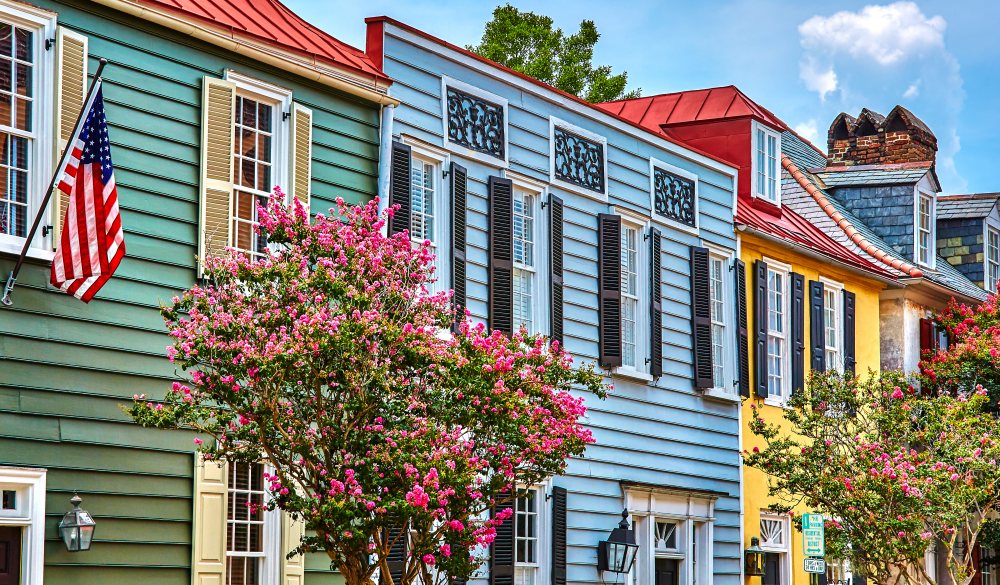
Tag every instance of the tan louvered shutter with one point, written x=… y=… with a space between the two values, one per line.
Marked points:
x=293 y=570
x=209 y=557
x=301 y=155
x=71 y=91
x=218 y=111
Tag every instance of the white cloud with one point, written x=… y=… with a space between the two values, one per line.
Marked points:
x=887 y=34
x=822 y=80
x=912 y=91
x=808 y=130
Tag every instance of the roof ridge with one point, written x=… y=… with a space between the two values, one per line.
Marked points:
x=851 y=231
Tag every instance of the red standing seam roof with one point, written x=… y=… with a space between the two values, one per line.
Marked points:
x=684 y=107
x=271 y=22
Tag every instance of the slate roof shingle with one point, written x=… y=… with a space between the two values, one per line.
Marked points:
x=977 y=205
x=871 y=175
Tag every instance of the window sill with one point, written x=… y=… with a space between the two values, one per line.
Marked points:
x=776 y=402
x=631 y=373
x=721 y=395
x=12 y=247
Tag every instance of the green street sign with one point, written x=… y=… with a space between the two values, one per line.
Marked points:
x=813 y=543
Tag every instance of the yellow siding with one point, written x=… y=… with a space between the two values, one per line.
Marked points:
x=755 y=483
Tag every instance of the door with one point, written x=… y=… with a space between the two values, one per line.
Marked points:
x=10 y=555
x=772 y=569
x=666 y=572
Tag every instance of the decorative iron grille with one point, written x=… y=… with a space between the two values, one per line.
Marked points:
x=578 y=160
x=673 y=197
x=475 y=123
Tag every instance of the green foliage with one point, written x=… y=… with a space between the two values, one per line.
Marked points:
x=527 y=42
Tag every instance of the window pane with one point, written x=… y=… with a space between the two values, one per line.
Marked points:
x=253 y=160
x=523 y=299
x=422 y=191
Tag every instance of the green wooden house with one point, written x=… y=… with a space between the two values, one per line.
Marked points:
x=210 y=104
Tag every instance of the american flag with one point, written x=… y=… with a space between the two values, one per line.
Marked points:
x=92 y=243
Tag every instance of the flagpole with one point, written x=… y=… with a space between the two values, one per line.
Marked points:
x=8 y=289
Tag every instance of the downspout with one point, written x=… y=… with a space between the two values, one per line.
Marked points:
x=385 y=157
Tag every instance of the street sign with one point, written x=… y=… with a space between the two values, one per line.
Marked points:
x=815 y=565
x=813 y=544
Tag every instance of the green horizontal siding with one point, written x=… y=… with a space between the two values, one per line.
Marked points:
x=66 y=367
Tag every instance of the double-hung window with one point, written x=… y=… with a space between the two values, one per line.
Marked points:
x=778 y=326
x=430 y=210
x=630 y=296
x=251 y=548
x=767 y=164
x=525 y=275
x=925 y=229
x=833 y=331
x=424 y=185
x=720 y=300
x=529 y=552
x=992 y=259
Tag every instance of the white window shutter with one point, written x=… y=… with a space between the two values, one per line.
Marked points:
x=293 y=570
x=300 y=177
x=70 y=94
x=209 y=555
x=218 y=111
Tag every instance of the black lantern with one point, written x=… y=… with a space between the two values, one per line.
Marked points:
x=77 y=527
x=754 y=559
x=617 y=553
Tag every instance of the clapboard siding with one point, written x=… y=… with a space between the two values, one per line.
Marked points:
x=66 y=367
x=662 y=433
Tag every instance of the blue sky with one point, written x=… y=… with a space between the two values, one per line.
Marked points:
x=805 y=60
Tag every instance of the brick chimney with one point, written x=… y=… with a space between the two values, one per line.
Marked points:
x=872 y=139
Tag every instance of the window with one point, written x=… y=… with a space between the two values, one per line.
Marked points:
x=26 y=71
x=423 y=192
x=716 y=271
x=833 y=331
x=525 y=259
x=925 y=230
x=674 y=534
x=766 y=163
x=22 y=512
x=630 y=296
x=778 y=362
x=665 y=536
x=530 y=549
x=838 y=572
x=992 y=259
x=987 y=566
x=775 y=539
x=248 y=542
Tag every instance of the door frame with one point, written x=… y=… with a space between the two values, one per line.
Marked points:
x=30 y=482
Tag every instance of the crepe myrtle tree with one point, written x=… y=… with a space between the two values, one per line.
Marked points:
x=895 y=471
x=328 y=358
x=972 y=357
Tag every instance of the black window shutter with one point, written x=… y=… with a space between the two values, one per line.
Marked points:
x=760 y=326
x=556 y=266
x=701 y=317
x=655 y=305
x=396 y=559
x=849 y=328
x=817 y=327
x=559 y=535
x=502 y=549
x=459 y=199
x=399 y=187
x=798 y=332
x=501 y=227
x=742 y=330
x=609 y=276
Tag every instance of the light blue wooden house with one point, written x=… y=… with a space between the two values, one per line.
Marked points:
x=549 y=213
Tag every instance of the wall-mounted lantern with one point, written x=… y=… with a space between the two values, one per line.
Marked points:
x=754 y=559
x=77 y=527
x=617 y=553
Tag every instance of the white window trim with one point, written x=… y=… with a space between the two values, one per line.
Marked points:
x=729 y=306
x=918 y=195
x=786 y=362
x=41 y=165
x=271 y=556
x=603 y=141
x=282 y=100
x=990 y=227
x=31 y=482
x=461 y=149
x=768 y=131
x=541 y=301
x=655 y=163
x=829 y=284
x=641 y=224
x=544 y=531
x=786 y=565
x=686 y=508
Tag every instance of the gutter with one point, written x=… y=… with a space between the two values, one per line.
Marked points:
x=845 y=225
x=304 y=68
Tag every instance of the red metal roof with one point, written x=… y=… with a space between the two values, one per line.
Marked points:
x=271 y=22
x=684 y=107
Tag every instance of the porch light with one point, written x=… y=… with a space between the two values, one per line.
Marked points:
x=754 y=566
x=617 y=553
x=77 y=527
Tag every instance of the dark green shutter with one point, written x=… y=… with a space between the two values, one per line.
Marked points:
x=701 y=317
x=742 y=328
x=501 y=258
x=459 y=201
x=399 y=187
x=817 y=326
x=556 y=268
x=760 y=326
x=559 y=528
x=502 y=549
x=609 y=283
x=849 y=332
x=798 y=333
x=655 y=305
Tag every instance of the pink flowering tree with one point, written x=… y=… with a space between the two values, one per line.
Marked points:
x=328 y=358
x=894 y=471
x=972 y=357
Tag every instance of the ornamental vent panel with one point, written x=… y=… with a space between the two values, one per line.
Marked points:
x=578 y=160
x=475 y=123
x=673 y=197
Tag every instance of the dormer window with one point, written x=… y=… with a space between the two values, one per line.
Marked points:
x=766 y=164
x=925 y=230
